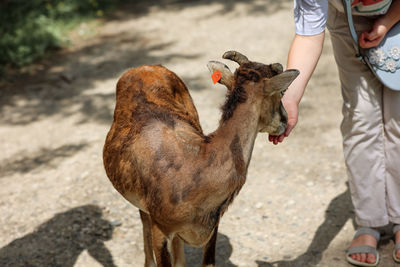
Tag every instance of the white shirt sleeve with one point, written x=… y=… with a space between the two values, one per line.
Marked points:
x=310 y=16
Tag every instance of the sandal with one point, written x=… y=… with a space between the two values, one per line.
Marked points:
x=364 y=249
x=396 y=228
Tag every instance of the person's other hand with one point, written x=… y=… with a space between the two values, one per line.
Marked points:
x=373 y=37
x=292 y=111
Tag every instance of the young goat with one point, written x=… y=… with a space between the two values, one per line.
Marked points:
x=182 y=181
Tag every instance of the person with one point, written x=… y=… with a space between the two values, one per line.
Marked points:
x=371 y=112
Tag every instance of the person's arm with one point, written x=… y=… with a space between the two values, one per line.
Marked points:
x=303 y=55
x=381 y=26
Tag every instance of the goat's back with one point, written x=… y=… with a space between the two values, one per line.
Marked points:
x=153 y=92
x=144 y=95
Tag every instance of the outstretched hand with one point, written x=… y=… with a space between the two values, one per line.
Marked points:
x=292 y=111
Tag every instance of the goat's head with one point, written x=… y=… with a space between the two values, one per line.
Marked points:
x=268 y=82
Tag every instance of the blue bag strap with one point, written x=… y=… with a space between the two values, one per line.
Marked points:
x=353 y=33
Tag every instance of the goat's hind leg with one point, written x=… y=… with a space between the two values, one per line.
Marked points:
x=161 y=247
x=178 y=252
x=147 y=240
x=209 y=250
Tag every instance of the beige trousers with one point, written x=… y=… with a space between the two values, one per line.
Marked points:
x=370 y=129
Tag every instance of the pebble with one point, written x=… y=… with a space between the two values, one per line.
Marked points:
x=116 y=223
x=84 y=175
x=259 y=205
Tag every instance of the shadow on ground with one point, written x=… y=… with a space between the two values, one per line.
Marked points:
x=59 y=241
x=223 y=252
x=45 y=157
x=58 y=85
x=339 y=211
x=140 y=8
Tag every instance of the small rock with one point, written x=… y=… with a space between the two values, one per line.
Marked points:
x=116 y=223
x=84 y=175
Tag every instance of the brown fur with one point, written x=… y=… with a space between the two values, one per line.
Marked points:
x=247 y=72
x=158 y=158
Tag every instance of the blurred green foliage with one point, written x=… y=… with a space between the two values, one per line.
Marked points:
x=28 y=28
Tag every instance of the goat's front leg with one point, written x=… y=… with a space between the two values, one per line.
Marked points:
x=147 y=240
x=161 y=247
x=209 y=250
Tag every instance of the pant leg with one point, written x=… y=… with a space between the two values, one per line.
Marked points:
x=362 y=131
x=391 y=117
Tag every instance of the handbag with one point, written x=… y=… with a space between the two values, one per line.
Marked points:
x=384 y=59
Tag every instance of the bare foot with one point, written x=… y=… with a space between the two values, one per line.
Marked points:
x=397 y=238
x=365 y=240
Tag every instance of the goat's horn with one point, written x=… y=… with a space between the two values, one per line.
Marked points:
x=236 y=56
x=277 y=68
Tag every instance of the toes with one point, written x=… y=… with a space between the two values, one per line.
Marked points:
x=363 y=257
x=398 y=254
x=371 y=258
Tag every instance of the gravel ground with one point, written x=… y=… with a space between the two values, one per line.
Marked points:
x=57 y=207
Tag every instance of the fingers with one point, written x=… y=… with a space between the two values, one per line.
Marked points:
x=373 y=37
x=363 y=40
x=279 y=139
x=369 y=44
x=369 y=40
x=274 y=139
x=292 y=111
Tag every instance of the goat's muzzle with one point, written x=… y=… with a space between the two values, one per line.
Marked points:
x=278 y=123
x=284 y=120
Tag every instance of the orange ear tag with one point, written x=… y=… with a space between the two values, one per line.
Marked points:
x=216 y=76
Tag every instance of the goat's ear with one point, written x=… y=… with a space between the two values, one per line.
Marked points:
x=226 y=74
x=280 y=82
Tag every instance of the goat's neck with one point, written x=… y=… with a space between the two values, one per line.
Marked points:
x=241 y=127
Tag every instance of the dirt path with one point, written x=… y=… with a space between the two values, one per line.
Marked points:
x=57 y=207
